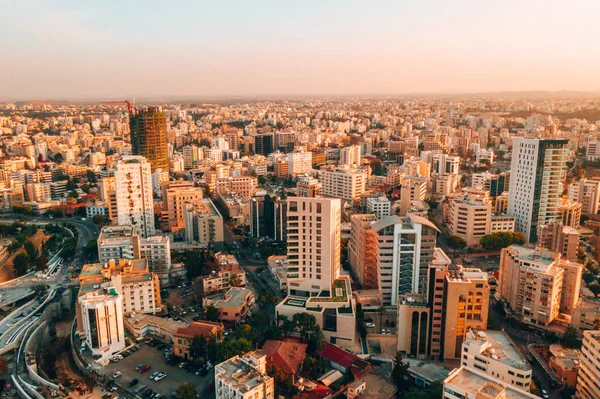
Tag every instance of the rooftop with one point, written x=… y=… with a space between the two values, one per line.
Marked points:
x=239 y=374
x=498 y=346
x=202 y=328
x=429 y=371
x=473 y=381
x=234 y=298
x=287 y=355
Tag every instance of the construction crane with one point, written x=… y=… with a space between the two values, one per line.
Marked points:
x=128 y=102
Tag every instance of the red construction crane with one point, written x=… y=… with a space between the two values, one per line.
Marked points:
x=119 y=102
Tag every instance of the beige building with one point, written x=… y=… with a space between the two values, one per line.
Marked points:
x=413 y=189
x=558 y=238
x=228 y=269
x=467 y=299
x=176 y=194
x=494 y=353
x=569 y=213
x=233 y=305
x=351 y=156
x=309 y=187
x=204 y=223
x=241 y=185
x=588 y=378
x=471 y=216
x=537 y=285
x=183 y=337
x=414 y=316
x=362 y=249
x=39 y=192
x=587 y=193
x=343 y=182
x=107 y=193
x=299 y=162
x=244 y=377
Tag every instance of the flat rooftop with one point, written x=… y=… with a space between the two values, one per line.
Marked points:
x=234 y=298
x=238 y=374
x=473 y=381
x=498 y=346
x=427 y=370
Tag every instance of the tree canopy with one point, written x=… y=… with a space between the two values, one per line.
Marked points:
x=501 y=239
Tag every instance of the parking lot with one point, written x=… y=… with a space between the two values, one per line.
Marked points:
x=156 y=359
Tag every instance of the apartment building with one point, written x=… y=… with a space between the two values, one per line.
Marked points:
x=107 y=193
x=558 y=238
x=537 y=284
x=299 y=162
x=471 y=216
x=184 y=336
x=233 y=305
x=413 y=189
x=380 y=206
x=362 y=249
x=204 y=223
x=228 y=270
x=587 y=193
x=39 y=192
x=537 y=173
x=241 y=185
x=351 y=156
x=405 y=250
x=494 y=353
x=244 y=377
x=569 y=213
x=588 y=378
x=309 y=187
x=176 y=194
x=344 y=183
x=133 y=186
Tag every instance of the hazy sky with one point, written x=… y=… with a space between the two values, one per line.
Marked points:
x=123 y=48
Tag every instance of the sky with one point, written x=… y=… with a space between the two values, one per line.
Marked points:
x=113 y=49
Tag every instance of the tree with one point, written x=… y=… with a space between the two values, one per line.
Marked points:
x=32 y=252
x=235 y=280
x=282 y=379
x=259 y=320
x=99 y=220
x=229 y=349
x=198 y=347
x=91 y=176
x=400 y=375
x=212 y=313
x=316 y=341
x=186 y=391
x=287 y=326
x=456 y=243
x=273 y=332
x=306 y=323
x=501 y=239
x=248 y=332
x=262 y=180
x=377 y=168
x=570 y=337
x=211 y=349
x=20 y=264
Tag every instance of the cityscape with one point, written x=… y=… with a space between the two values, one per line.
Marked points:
x=199 y=221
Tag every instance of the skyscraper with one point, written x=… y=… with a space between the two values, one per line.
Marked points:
x=263 y=144
x=133 y=185
x=149 y=135
x=536 y=183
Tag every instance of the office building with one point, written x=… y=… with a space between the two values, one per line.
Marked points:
x=537 y=285
x=445 y=164
x=588 y=385
x=536 y=184
x=313 y=236
x=264 y=144
x=414 y=315
x=133 y=187
x=268 y=215
x=148 y=127
x=405 y=250
x=362 y=250
x=494 y=353
x=244 y=377
x=344 y=183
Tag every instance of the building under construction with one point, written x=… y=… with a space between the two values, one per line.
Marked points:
x=148 y=127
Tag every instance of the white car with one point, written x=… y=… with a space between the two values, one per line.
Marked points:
x=370 y=325
x=117 y=374
x=160 y=376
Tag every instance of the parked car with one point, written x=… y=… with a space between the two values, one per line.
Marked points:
x=116 y=375
x=140 y=388
x=133 y=382
x=182 y=365
x=139 y=367
x=370 y=325
x=160 y=376
x=144 y=369
x=545 y=394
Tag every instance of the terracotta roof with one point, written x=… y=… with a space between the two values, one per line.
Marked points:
x=287 y=355
x=347 y=360
x=199 y=328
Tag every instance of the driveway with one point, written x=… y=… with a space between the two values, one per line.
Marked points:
x=156 y=359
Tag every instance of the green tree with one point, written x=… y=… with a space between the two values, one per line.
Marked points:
x=99 y=220
x=32 y=252
x=91 y=176
x=198 y=347
x=20 y=264
x=186 y=391
x=273 y=332
x=248 y=332
x=235 y=280
x=377 y=168
x=211 y=349
x=229 y=349
x=570 y=337
x=305 y=322
x=259 y=320
x=456 y=243
x=400 y=375
x=212 y=313
x=287 y=326
x=501 y=239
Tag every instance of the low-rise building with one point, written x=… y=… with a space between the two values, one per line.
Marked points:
x=183 y=337
x=233 y=305
x=564 y=363
x=229 y=271
x=244 y=377
x=467 y=383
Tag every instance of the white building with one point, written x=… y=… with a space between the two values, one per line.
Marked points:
x=102 y=319
x=380 y=206
x=351 y=156
x=345 y=183
x=494 y=353
x=587 y=193
x=133 y=186
x=443 y=164
x=244 y=377
x=39 y=192
x=467 y=383
x=299 y=162
x=536 y=184
x=314 y=234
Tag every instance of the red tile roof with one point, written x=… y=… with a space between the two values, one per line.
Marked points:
x=347 y=360
x=287 y=355
x=199 y=328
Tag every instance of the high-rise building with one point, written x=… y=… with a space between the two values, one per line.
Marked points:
x=537 y=173
x=264 y=144
x=588 y=377
x=102 y=327
x=587 y=193
x=268 y=217
x=569 y=213
x=133 y=186
x=380 y=206
x=314 y=233
x=406 y=247
x=149 y=135
x=362 y=249
x=108 y=194
x=299 y=162
x=537 y=285
x=564 y=239
x=471 y=215
x=445 y=164
x=413 y=189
